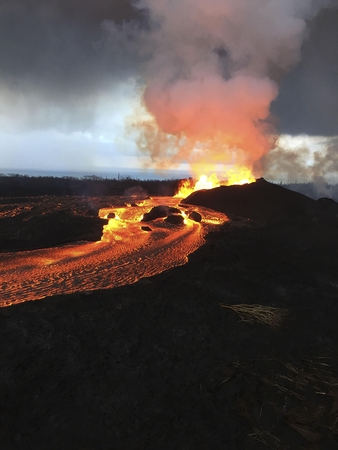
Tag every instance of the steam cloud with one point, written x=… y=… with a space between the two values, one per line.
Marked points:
x=302 y=164
x=212 y=73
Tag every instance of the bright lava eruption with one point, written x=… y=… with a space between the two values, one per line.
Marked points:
x=239 y=175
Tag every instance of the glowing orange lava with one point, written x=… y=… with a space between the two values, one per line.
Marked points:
x=125 y=254
x=237 y=175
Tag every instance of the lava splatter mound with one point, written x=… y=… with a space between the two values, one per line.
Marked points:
x=262 y=200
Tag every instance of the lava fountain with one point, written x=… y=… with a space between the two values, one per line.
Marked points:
x=237 y=175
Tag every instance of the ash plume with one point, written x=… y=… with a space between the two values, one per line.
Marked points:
x=211 y=72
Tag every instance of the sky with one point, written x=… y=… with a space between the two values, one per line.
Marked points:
x=100 y=85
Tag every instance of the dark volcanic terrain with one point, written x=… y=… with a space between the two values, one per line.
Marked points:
x=45 y=221
x=237 y=349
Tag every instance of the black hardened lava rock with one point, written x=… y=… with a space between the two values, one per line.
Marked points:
x=158 y=212
x=175 y=219
x=195 y=216
x=261 y=200
x=37 y=222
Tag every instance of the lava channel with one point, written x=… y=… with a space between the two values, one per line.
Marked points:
x=125 y=254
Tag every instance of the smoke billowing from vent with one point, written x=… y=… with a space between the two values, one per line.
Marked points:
x=211 y=73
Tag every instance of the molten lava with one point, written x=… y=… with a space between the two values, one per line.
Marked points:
x=238 y=175
x=127 y=252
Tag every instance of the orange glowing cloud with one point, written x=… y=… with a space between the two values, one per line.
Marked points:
x=216 y=115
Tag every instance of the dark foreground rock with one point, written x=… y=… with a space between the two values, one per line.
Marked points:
x=235 y=350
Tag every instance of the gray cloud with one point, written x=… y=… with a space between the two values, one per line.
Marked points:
x=57 y=57
x=308 y=98
x=59 y=42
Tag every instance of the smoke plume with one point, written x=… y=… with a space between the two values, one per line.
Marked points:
x=211 y=71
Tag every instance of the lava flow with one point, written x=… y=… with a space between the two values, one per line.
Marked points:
x=128 y=251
